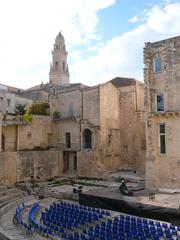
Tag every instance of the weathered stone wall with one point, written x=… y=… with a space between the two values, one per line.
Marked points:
x=109 y=118
x=132 y=127
x=90 y=116
x=21 y=136
x=20 y=166
x=36 y=134
x=79 y=109
x=114 y=116
x=68 y=102
x=162 y=170
x=91 y=107
x=10 y=137
x=68 y=105
x=36 y=95
x=72 y=127
x=110 y=127
x=166 y=81
x=91 y=164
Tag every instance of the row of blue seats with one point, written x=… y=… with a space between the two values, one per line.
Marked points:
x=133 y=225
x=57 y=221
x=48 y=229
x=18 y=218
x=43 y=230
x=148 y=229
x=70 y=217
x=70 y=212
x=33 y=212
x=32 y=226
x=125 y=227
x=143 y=221
x=80 y=207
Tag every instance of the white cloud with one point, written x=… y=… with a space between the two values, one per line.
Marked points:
x=28 y=30
x=123 y=55
x=133 y=19
x=165 y=20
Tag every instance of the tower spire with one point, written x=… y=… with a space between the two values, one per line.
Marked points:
x=59 y=73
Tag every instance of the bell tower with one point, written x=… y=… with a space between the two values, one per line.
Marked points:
x=59 y=72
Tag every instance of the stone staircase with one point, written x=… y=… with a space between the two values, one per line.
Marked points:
x=8 y=195
x=11 y=231
x=9 y=199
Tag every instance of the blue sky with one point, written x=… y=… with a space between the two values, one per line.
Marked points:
x=115 y=19
x=104 y=38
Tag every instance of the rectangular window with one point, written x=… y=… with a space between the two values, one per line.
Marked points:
x=162 y=138
x=160 y=103
x=157 y=65
x=68 y=140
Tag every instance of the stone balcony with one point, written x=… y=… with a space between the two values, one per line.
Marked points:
x=166 y=113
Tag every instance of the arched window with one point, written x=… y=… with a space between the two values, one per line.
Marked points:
x=87 y=139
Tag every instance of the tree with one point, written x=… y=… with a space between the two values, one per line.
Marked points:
x=20 y=109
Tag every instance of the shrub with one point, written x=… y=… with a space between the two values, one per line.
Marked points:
x=27 y=117
x=39 y=108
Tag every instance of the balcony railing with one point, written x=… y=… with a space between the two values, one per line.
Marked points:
x=13 y=122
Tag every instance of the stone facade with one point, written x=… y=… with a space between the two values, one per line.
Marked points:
x=21 y=165
x=132 y=126
x=93 y=130
x=18 y=135
x=162 y=98
x=9 y=100
x=111 y=115
x=38 y=134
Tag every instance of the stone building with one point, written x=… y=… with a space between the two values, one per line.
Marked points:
x=162 y=98
x=10 y=98
x=96 y=127
x=90 y=132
